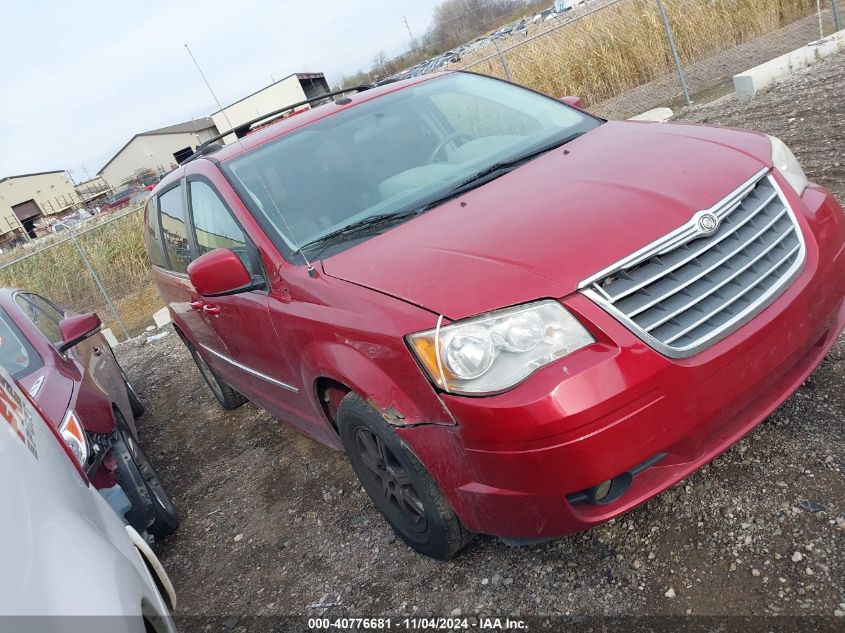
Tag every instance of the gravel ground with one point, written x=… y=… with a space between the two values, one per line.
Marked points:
x=273 y=523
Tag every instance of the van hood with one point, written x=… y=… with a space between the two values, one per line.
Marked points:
x=543 y=228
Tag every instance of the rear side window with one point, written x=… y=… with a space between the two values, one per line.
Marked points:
x=43 y=314
x=214 y=225
x=152 y=235
x=17 y=356
x=173 y=229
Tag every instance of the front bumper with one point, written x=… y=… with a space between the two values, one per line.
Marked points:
x=510 y=465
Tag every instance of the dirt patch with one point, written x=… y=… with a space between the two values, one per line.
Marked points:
x=273 y=523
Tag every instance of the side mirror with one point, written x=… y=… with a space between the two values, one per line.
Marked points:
x=219 y=273
x=77 y=328
x=575 y=102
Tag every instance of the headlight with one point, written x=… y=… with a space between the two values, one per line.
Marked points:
x=494 y=352
x=789 y=167
x=74 y=436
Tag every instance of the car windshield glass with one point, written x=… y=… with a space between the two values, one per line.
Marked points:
x=17 y=355
x=402 y=151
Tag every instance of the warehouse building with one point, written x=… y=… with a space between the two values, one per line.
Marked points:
x=161 y=150
x=93 y=190
x=27 y=198
x=292 y=89
x=158 y=150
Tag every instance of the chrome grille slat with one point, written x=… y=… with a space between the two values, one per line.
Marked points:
x=735 y=298
x=695 y=254
x=709 y=269
x=688 y=289
x=721 y=284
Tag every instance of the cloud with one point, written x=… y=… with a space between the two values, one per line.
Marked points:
x=79 y=79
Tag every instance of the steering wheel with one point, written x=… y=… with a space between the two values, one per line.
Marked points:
x=454 y=136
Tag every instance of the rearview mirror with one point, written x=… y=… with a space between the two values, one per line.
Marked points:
x=77 y=328
x=221 y=272
x=575 y=102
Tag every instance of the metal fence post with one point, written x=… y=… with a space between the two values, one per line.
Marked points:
x=837 y=21
x=675 y=51
x=503 y=60
x=99 y=283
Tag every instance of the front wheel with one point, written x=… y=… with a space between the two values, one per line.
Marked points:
x=397 y=483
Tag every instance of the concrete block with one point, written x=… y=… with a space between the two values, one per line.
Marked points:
x=746 y=84
x=660 y=115
x=162 y=317
x=110 y=337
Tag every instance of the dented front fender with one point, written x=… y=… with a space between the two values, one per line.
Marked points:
x=395 y=388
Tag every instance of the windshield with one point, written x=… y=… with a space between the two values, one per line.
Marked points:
x=394 y=153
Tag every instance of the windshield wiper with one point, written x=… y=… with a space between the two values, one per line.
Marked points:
x=378 y=223
x=503 y=167
x=361 y=228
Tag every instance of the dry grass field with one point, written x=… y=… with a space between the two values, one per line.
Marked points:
x=115 y=249
x=613 y=49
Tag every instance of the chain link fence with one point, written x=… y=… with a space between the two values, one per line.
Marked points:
x=100 y=266
x=623 y=57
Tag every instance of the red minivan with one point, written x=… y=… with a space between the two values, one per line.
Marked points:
x=514 y=317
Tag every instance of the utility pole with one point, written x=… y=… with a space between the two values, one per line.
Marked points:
x=411 y=35
x=837 y=21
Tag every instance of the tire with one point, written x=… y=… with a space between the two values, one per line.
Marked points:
x=397 y=483
x=135 y=403
x=228 y=398
x=154 y=511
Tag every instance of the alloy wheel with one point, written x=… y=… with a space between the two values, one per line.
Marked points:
x=391 y=480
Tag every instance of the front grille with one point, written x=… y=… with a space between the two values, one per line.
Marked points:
x=684 y=292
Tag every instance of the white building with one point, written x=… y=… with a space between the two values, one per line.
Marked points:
x=292 y=89
x=156 y=150
x=27 y=198
x=93 y=190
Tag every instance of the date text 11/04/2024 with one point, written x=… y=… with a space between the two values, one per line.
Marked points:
x=407 y=624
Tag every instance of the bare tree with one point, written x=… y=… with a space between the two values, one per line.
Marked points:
x=454 y=22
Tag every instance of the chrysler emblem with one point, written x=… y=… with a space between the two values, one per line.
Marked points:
x=707 y=223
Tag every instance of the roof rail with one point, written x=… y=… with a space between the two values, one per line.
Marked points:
x=211 y=145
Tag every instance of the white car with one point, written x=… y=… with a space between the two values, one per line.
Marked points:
x=65 y=551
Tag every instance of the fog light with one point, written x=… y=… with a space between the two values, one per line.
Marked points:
x=610 y=490
x=602 y=490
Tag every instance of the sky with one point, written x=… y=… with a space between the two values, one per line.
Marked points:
x=79 y=79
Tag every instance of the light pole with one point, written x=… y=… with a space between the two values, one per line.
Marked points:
x=95 y=277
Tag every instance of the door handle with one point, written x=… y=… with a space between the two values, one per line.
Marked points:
x=197 y=304
x=210 y=308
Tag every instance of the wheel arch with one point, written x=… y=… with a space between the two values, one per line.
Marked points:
x=340 y=366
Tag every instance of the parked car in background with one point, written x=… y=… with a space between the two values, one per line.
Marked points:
x=514 y=317
x=121 y=198
x=65 y=224
x=65 y=552
x=140 y=197
x=70 y=370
